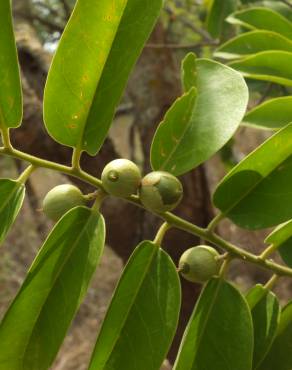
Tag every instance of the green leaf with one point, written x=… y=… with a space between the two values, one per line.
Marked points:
x=218 y=11
x=272 y=114
x=219 y=334
x=281 y=238
x=255 y=295
x=273 y=66
x=263 y=19
x=280 y=235
x=11 y=199
x=189 y=72
x=279 y=356
x=199 y=124
x=256 y=194
x=251 y=43
x=97 y=51
x=10 y=92
x=38 y=318
x=142 y=317
x=266 y=316
x=280 y=7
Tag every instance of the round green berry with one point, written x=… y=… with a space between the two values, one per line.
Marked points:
x=160 y=191
x=121 y=178
x=61 y=199
x=199 y=264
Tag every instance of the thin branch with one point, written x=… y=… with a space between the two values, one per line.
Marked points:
x=200 y=31
x=271 y=283
x=181 y=46
x=161 y=233
x=286 y=2
x=170 y=218
x=52 y=26
x=47 y=7
x=66 y=8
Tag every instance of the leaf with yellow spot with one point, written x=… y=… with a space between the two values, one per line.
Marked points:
x=97 y=51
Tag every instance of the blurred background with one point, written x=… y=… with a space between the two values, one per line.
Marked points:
x=153 y=86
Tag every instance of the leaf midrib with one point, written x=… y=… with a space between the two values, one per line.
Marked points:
x=130 y=308
x=17 y=187
x=80 y=144
x=53 y=285
x=208 y=314
x=187 y=126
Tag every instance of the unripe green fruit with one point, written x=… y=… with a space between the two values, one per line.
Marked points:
x=61 y=199
x=199 y=264
x=121 y=178
x=160 y=191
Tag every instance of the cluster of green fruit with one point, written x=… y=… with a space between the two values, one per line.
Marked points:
x=158 y=191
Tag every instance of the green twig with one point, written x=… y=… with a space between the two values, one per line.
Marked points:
x=171 y=219
x=6 y=138
x=38 y=162
x=225 y=266
x=161 y=233
x=76 y=159
x=212 y=225
x=227 y=246
x=26 y=173
x=100 y=195
x=271 y=283
x=268 y=251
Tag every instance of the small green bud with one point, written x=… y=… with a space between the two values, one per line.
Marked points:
x=199 y=264
x=61 y=199
x=121 y=178
x=160 y=191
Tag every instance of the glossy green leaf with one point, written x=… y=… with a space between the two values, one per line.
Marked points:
x=143 y=314
x=276 y=5
x=273 y=66
x=97 y=51
x=280 y=235
x=279 y=356
x=199 y=124
x=280 y=7
x=218 y=11
x=38 y=318
x=255 y=295
x=272 y=114
x=253 y=42
x=281 y=238
x=189 y=72
x=256 y=194
x=11 y=199
x=219 y=334
x=262 y=19
x=265 y=313
x=10 y=91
